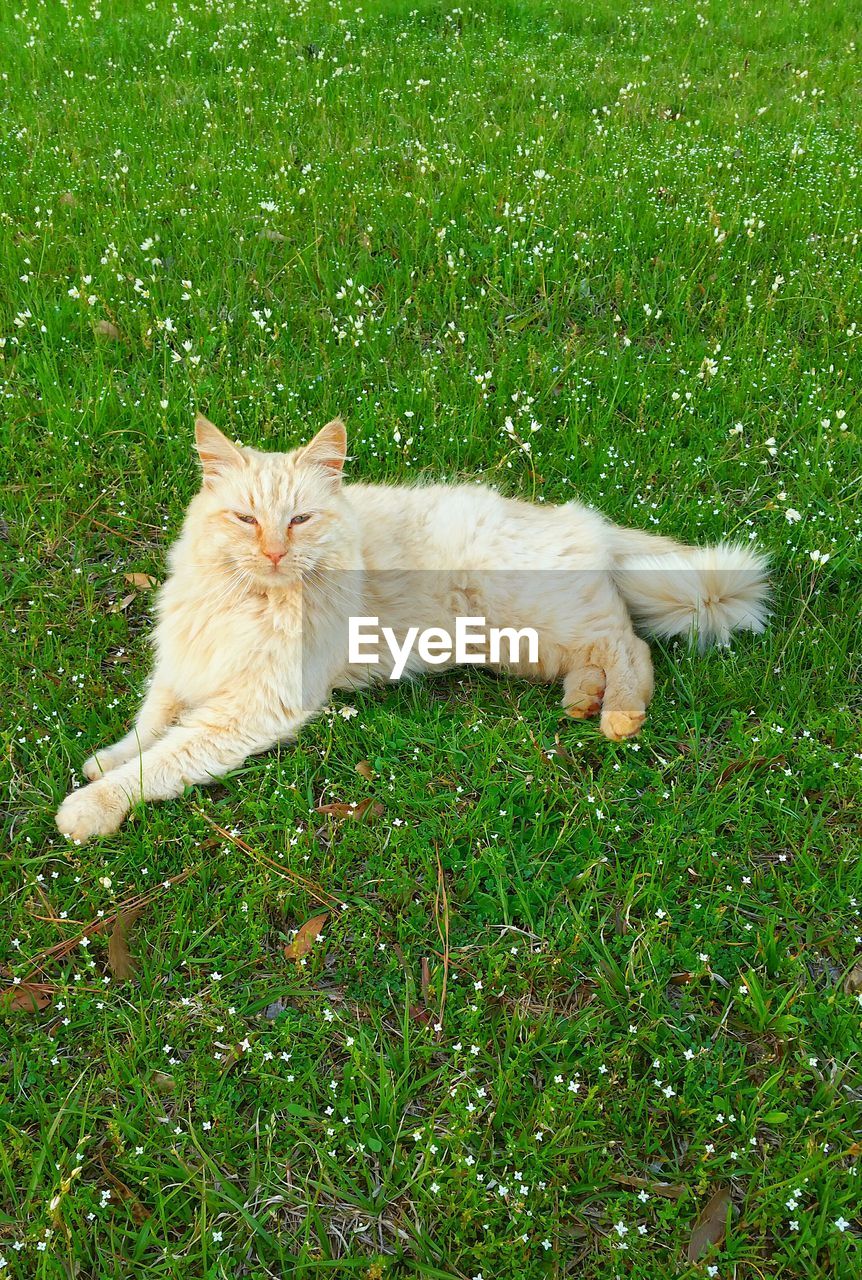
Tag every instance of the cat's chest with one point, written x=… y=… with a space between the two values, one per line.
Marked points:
x=208 y=648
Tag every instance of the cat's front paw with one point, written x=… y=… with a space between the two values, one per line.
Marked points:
x=96 y=810
x=97 y=765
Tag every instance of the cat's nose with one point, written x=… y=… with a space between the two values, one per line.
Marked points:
x=275 y=556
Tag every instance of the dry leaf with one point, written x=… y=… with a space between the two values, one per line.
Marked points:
x=710 y=1226
x=26 y=997
x=67 y=199
x=120 y=961
x=670 y=1190
x=756 y=762
x=138 y=1211
x=142 y=580
x=107 y=330
x=120 y=606
x=235 y=1055
x=163 y=1083
x=306 y=937
x=269 y=234
x=338 y=809
x=363 y=768
x=853 y=981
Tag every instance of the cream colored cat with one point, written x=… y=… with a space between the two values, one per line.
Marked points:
x=276 y=554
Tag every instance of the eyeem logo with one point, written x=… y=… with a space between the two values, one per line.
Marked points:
x=474 y=643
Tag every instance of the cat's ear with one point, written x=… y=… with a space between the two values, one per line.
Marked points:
x=217 y=454
x=329 y=447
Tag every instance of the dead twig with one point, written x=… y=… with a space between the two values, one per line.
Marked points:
x=442 y=897
x=314 y=890
x=134 y=903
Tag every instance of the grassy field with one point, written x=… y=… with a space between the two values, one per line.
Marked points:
x=571 y=998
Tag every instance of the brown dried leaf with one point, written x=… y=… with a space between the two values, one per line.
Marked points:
x=338 y=809
x=711 y=1226
x=363 y=768
x=236 y=1054
x=374 y=807
x=120 y=606
x=306 y=937
x=120 y=961
x=138 y=1211
x=26 y=997
x=737 y=766
x=670 y=1190
x=853 y=981
x=142 y=580
x=107 y=330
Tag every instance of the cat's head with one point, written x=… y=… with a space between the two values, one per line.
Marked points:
x=270 y=516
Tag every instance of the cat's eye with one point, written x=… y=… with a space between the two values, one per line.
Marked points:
x=300 y=519
x=245 y=518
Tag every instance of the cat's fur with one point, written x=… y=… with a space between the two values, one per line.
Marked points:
x=252 y=633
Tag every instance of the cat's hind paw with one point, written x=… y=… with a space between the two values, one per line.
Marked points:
x=617 y=724
x=96 y=810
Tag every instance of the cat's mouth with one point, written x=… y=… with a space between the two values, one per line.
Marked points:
x=269 y=574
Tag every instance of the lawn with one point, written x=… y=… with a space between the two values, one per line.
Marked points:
x=566 y=1008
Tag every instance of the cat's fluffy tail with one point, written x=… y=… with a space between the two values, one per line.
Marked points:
x=673 y=590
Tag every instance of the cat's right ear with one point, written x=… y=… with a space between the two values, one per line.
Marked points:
x=217 y=454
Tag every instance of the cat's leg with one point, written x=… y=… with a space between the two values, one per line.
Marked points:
x=629 y=685
x=158 y=709
x=610 y=674
x=204 y=745
x=583 y=687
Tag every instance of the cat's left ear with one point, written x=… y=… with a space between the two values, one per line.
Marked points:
x=329 y=447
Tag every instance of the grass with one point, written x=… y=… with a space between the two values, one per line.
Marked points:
x=635 y=229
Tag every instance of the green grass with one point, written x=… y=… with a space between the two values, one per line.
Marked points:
x=442 y=219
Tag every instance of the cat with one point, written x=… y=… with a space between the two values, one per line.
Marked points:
x=277 y=554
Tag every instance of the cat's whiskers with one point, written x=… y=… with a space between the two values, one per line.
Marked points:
x=216 y=598
x=326 y=587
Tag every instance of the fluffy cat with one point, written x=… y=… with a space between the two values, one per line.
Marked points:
x=276 y=553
